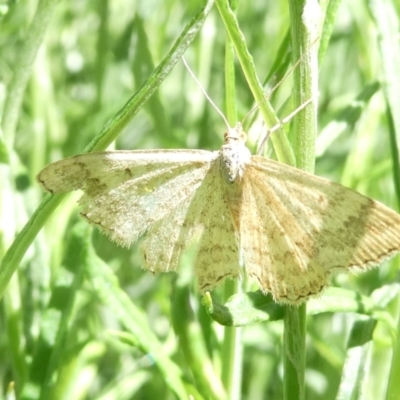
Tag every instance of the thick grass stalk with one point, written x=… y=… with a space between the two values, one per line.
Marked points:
x=304 y=16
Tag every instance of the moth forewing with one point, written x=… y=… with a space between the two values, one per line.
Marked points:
x=111 y=168
x=125 y=193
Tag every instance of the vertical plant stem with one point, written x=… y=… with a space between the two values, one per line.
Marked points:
x=232 y=350
x=304 y=15
x=294 y=338
x=232 y=354
x=230 y=88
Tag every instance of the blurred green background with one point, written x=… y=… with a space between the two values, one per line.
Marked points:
x=69 y=329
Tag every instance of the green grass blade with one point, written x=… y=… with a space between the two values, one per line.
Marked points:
x=133 y=320
x=23 y=67
x=327 y=28
x=355 y=367
x=55 y=322
x=393 y=388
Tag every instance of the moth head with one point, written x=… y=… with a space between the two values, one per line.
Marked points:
x=235 y=135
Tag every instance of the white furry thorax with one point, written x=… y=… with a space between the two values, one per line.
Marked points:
x=235 y=155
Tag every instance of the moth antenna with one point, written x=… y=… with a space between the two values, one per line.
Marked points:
x=205 y=94
x=283 y=122
x=289 y=71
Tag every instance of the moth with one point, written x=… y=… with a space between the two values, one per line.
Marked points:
x=292 y=230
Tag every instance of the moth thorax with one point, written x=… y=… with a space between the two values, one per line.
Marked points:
x=234 y=157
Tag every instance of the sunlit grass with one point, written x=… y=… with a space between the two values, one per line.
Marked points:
x=80 y=318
